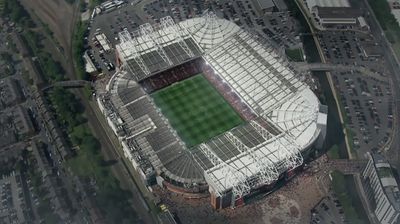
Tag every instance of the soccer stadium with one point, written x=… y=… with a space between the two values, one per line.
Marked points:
x=203 y=105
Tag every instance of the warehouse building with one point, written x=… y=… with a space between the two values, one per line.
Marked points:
x=333 y=12
x=337 y=15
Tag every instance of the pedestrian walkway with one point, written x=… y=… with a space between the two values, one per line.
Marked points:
x=302 y=66
x=347 y=166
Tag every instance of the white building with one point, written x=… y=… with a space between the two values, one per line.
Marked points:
x=381 y=189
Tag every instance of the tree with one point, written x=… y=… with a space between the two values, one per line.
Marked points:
x=91 y=144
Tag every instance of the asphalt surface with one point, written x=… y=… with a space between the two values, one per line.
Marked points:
x=110 y=152
x=329 y=210
x=131 y=16
x=108 y=149
x=280 y=29
x=395 y=68
x=374 y=29
x=365 y=98
x=365 y=127
x=47 y=160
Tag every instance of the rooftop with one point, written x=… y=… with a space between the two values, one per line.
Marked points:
x=387 y=179
x=338 y=12
x=327 y=3
x=10 y=92
x=264 y=4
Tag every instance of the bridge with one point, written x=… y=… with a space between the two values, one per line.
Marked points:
x=320 y=31
x=347 y=166
x=302 y=66
x=69 y=84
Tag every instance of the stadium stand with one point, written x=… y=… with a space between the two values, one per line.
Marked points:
x=170 y=76
x=282 y=116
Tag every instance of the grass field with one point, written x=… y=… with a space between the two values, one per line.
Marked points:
x=196 y=110
x=388 y=22
x=295 y=55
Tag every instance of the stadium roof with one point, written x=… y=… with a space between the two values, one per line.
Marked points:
x=284 y=113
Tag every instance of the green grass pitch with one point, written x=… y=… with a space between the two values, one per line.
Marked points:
x=196 y=110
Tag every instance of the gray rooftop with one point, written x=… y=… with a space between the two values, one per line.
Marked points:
x=338 y=12
x=264 y=4
x=388 y=181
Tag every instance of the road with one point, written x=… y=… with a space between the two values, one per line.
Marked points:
x=391 y=57
x=109 y=150
x=43 y=135
x=309 y=20
x=360 y=192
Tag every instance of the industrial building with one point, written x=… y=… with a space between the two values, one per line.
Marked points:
x=327 y=3
x=282 y=117
x=334 y=12
x=337 y=15
x=381 y=189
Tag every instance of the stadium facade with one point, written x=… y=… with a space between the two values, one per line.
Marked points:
x=283 y=117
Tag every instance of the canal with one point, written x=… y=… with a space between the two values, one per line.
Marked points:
x=349 y=198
